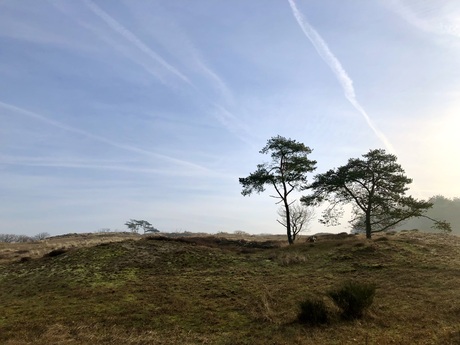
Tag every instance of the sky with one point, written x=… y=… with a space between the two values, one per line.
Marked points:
x=117 y=110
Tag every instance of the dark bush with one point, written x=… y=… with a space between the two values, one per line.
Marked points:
x=313 y=312
x=353 y=298
x=56 y=252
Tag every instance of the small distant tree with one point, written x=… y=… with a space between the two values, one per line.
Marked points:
x=13 y=238
x=300 y=217
x=134 y=225
x=23 y=239
x=8 y=238
x=41 y=236
x=151 y=229
x=375 y=186
x=286 y=172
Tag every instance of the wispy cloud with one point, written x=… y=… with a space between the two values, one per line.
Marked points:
x=223 y=115
x=119 y=28
x=429 y=16
x=215 y=93
x=65 y=127
x=336 y=67
x=137 y=42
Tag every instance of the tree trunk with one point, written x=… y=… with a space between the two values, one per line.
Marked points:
x=368 y=225
x=288 y=223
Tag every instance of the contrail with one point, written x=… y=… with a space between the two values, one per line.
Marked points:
x=194 y=55
x=217 y=81
x=336 y=67
x=116 y=26
x=119 y=28
x=231 y=123
x=98 y=138
x=77 y=164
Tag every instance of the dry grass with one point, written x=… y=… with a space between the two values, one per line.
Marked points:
x=15 y=251
x=217 y=290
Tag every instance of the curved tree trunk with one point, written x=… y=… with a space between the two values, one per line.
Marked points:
x=288 y=222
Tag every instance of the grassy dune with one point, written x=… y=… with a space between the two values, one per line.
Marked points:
x=212 y=290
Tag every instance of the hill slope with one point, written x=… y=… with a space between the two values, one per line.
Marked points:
x=209 y=290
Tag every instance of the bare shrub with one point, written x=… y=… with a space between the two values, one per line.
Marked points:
x=41 y=236
x=23 y=239
x=8 y=238
x=300 y=218
x=103 y=230
x=13 y=238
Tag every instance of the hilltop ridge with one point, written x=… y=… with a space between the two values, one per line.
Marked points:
x=218 y=290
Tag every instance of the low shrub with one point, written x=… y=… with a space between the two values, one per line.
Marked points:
x=292 y=258
x=353 y=298
x=383 y=238
x=313 y=312
x=56 y=252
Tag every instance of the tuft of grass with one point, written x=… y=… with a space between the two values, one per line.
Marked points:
x=263 y=307
x=292 y=258
x=353 y=298
x=382 y=238
x=313 y=312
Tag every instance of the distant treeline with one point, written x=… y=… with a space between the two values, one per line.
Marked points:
x=443 y=209
x=13 y=238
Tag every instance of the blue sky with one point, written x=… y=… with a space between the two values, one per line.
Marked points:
x=112 y=110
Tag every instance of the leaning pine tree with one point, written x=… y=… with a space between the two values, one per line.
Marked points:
x=286 y=172
x=375 y=186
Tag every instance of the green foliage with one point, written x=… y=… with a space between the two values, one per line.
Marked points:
x=134 y=225
x=353 y=298
x=442 y=226
x=375 y=186
x=443 y=208
x=313 y=312
x=286 y=172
